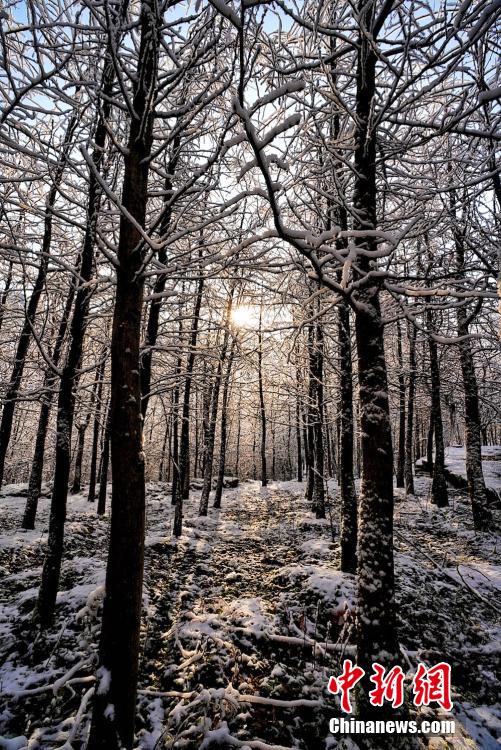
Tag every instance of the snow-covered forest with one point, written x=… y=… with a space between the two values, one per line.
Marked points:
x=250 y=371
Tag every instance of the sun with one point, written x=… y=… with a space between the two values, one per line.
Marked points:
x=245 y=316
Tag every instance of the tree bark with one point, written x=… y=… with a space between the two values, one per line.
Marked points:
x=318 y=430
x=224 y=429
x=400 y=475
x=39 y=284
x=482 y=515
x=50 y=381
x=119 y=644
x=348 y=531
x=184 y=474
x=105 y=462
x=95 y=433
x=375 y=625
x=44 y=611
x=211 y=429
x=408 y=462
x=439 y=495
x=262 y=409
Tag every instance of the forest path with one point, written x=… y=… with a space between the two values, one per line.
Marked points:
x=233 y=580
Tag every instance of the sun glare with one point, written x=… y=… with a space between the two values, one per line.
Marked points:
x=245 y=316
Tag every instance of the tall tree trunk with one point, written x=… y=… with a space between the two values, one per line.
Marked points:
x=401 y=412
x=224 y=428
x=319 y=482
x=175 y=424
x=153 y=323
x=429 y=441
x=211 y=430
x=5 y=293
x=482 y=516
x=298 y=425
x=119 y=644
x=105 y=462
x=44 y=611
x=376 y=630
x=337 y=214
x=38 y=286
x=95 y=433
x=184 y=474
x=50 y=381
x=348 y=531
x=408 y=473
x=82 y=429
x=262 y=409
x=310 y=420
x=439 y=496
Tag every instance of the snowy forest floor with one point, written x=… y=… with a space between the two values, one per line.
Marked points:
x=249 y=604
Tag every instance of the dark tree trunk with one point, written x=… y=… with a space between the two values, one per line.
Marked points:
x=319 y=481
x=44 y=612
x=39 y=284
x=262 y=409
x=310 y=419
x=408 y=473
x=82 y=429
x=105 y=462
x=175 y=425
x=95 y=433
x=298 y=426
x=375 y=627
x=224 y=429
x=400 y=477
x=348 y=531
x=183 y=487
x=5 y=293
x=439 y=496
x=211 y=429
x=50 y=381
x=119 y=644
x=429 y=442
x=482 y=516
x=153 y=323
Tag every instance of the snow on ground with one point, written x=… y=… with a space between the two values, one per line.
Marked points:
x=491 y=463
x=245 y=618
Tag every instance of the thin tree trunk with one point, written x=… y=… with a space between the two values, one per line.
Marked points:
x=439 y=496
x=408 y=473
x=298 y=426
x=211 y=430
x=95 y=433
x=82 y=429
x=348 y=531
x=26 y=331
x=175 y=425
x=262 y=409
x=310 y=410
x=319 y=482
x=184 y=475
x=224 y=429
x=50 y=381
x=482 y=516
x=153 y=323
x=105 y=461
x=429 y=442
x=5 y=293
x=44 y=611
x=400 y=477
